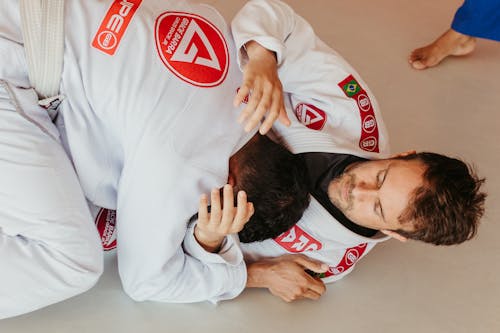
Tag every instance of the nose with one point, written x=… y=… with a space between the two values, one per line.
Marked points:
x=362 y=191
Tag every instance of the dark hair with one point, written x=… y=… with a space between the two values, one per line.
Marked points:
x=275 y=182
x=447 y=209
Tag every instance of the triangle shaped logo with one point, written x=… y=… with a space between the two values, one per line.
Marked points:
x=311 y=116
x=192 y=48
x=196 y=48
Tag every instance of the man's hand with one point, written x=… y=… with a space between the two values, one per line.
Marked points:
x=262 y=84
x=213 y=227
x=286 y=277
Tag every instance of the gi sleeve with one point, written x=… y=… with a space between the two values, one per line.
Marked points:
x=158 y=194
x=307 y=66
x=330 y=106
x=269 y=23
x=229 y=252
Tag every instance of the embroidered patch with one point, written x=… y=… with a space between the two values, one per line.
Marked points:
x=369 y=124
x=106 y=226
x=312 y=117
x=351 y=256
x=192 y=48
x=369 y=130
x=350 y=86
x=297 y=240
x=114 y=25
x=369 y=143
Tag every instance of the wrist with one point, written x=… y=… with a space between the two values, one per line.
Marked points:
x=256 y=274
x=255 y=50
x=210 y=243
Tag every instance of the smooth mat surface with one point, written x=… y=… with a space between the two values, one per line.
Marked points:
x=413 y=287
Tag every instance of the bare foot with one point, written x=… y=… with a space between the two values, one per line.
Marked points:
x=450 y=43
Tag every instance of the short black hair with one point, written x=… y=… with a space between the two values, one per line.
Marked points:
x=275 y=182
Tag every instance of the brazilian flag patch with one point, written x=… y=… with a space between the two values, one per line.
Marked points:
x=351 y=88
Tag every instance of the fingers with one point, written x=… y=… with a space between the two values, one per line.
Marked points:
x=274 y=105
x=203 y=210
x=252 y=105
x=311 y=264
x=228 y=209
x=262 y=110
x=243 y=92
x=316 y=286
x=244 y=211
x=224 y=218
x=298 y=293
x=215 y=208
x=234 y=219
x=265 y=102
x=309 y=294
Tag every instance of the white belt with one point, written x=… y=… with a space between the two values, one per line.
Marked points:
x=42 y=24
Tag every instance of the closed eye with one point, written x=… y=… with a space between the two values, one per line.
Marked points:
x=381 y=175
x=378 y=208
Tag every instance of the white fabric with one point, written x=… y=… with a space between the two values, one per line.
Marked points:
x=43 y=35
x=49 y=248
x=138 y=137
x=142 y=143
x=310 y=72
x=318 y=236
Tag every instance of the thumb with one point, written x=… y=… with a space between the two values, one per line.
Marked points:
x=311 y=264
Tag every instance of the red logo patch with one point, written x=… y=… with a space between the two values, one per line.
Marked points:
x=106 y=226
x=192 y=48
x=297 y=240
x=351 y=256
x=364 y=102
x=312 y=117
x=369 y=124
x=369 y=144
x=114 y=25
x=369 y=129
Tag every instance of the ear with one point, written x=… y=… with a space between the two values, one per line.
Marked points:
x=406 y=153
x=394 y=235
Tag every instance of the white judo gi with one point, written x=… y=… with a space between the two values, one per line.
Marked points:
x=331 y=109
x=150 y=127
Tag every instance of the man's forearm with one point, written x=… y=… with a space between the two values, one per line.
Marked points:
x=256 y=274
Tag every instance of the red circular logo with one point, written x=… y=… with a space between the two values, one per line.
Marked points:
x=364 y=102
x=192 y=48
x=369 y=124
x=107 y=40
x=312 y=117
x=351 y=257
x=369 y=143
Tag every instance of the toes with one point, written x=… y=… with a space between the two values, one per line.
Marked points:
x=414 y=56
x=417 y=64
